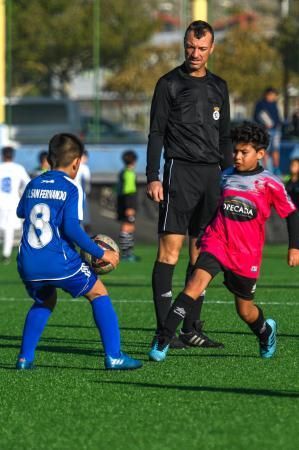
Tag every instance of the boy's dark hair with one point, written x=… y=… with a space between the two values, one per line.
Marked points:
x=129 y=157
x=251 y=133
x=8 y=153
x=42 y=156
x=63 y=149
x=200 y=29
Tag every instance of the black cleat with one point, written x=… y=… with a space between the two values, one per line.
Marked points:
x=196 y=338
x=175 y=343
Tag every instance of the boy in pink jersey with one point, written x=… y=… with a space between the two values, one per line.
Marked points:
x=234 y=240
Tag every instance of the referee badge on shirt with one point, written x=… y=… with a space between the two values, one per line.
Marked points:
x=216 y=113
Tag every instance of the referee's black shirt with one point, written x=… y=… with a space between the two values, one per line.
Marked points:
x=190 y=117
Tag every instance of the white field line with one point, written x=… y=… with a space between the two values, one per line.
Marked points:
x=82 y=300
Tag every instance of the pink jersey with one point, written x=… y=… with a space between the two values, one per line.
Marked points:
x=237 y=234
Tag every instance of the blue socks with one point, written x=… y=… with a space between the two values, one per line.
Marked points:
x=107 y=324
x=104 y=317
x=35 y=323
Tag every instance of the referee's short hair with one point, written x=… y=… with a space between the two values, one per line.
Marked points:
x=63 y=149
x=200 y=29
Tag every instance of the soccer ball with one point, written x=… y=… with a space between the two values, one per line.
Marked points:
x=106 y=243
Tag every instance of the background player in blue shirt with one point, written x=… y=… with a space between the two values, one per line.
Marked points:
x=52 y=206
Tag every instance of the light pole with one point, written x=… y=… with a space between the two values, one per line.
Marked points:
x=2 y=61
x=284 y=8
x=284 y=14
x=96 y=67
x=200 y=10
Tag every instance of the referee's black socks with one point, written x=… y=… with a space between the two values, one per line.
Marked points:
x=162 y=290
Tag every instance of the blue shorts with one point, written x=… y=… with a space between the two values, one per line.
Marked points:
x=77 y=285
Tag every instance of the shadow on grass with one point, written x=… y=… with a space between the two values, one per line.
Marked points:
x=66 y=340
x=136 y=284
x=58 y=349
x=244 y=333
x=50 y=366
x=224 y=390
x=143 y=347
x=67 y=325
x=152 y=329
x=52 y=339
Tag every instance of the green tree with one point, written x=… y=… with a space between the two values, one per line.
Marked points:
x=53 y=39
x=287 y=44
x=145 y=65
x=248 y=62
x=49 y=40
x=125 y=26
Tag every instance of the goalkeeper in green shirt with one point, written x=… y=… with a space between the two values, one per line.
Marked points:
x=127 y=205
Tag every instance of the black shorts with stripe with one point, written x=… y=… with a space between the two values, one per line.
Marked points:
x=242 y=287
x=191 y=196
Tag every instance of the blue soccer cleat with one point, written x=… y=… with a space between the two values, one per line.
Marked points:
x=159 y=350
x=124 y=362
x=268 y=347
x=23 y=364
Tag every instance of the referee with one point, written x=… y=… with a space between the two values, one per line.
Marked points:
x=190 y=118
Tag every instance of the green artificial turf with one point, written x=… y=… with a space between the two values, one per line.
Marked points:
x=197 y=399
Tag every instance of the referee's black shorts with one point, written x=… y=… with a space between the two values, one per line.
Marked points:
x=191 y=196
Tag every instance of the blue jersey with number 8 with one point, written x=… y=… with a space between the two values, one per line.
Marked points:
x=48 y=202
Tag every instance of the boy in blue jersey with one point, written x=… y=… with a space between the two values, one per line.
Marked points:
x=52 y=206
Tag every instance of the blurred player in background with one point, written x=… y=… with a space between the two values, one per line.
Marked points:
x=190 y=118
x=292 y=182
x=266 y=113
x=84 y=179
x=233 y=242
x=43 y=165
x=52 y=206
x=13 y=179
x=127 y=205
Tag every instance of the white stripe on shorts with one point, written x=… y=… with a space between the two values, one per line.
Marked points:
x=169 y=180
